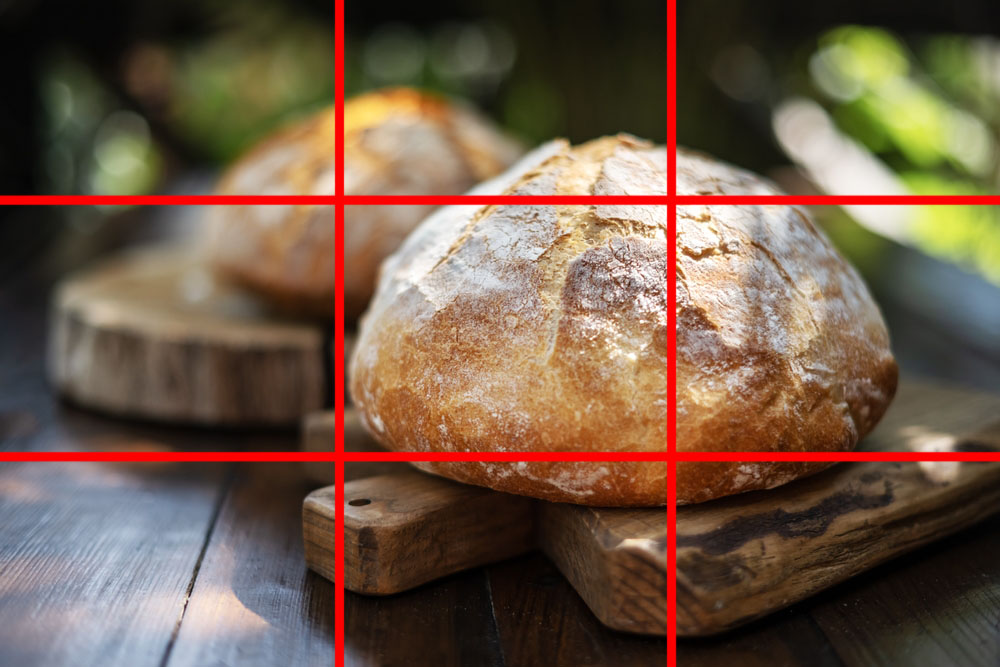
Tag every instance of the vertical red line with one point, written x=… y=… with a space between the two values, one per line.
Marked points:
x=672 y=328
x=671 y=97
x=339 y=337
x=338 y=73
x=338 y=564
x=338 y=334
x=671 y=563
x=672 y=333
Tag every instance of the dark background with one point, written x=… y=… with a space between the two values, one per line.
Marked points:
x=543 y=69
x=133 y=97
x=783 y=34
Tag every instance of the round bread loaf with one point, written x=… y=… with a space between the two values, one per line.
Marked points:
x=780 y=346
x=396 y=142
x=530 y=328
x=283 y=252
x=403 y=142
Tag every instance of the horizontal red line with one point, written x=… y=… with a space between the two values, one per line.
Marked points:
x=462 y=200
x=837 y=457
x=837 y=200
x=164 y=200
x=172 y=457
x=513 y=457
x=554 y=200
x=506 y=456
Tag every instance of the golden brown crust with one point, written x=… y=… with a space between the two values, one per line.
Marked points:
x=527 y=328
x=396 y=142
x=780 y=346
x=285 y=253
x=618 y=484
x=403 y=142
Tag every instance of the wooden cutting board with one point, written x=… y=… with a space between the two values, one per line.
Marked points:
x=746 y=556
x=739 y=558
x=152 y=334
x=407 y=528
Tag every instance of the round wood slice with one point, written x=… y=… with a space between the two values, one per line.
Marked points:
x=153 y=334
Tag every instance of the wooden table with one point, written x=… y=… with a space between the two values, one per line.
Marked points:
x=136 y=564
x=141 y=564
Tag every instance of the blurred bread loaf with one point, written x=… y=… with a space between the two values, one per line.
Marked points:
x=284 y=252
x=403 y=142
x=396 y=142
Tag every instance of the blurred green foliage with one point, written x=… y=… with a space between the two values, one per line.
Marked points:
x=178 y=104
x=541 y=70
x=931 y=114
x=231 y=90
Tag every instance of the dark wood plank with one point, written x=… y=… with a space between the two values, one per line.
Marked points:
x=254 y=602
x=786 y=639
x=96 y=559
x=444 y=624
x=939 y=606
x=542 y=621
x=743 y=557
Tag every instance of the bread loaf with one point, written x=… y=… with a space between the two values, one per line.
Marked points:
x=530 y=328
x=780 y=346
x=286 y=253
x=396 y=142
x=402 y=142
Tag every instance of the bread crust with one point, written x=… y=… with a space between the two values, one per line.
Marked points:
x=600 y=484
x=285 y=253
x=529 y=328
x=400 y=141
x=396 y=142
x=780 y=346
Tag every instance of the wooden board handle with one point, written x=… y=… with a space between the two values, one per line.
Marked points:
x=408 y=528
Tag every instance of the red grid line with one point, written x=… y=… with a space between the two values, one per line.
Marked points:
x=524 y=200
x=838 y=200
x=502 y=457
x=338 y=548
x=496 y=200
x=672 y=331
x=338 y=334
x=166 y=200
x=170 y=457
x=840 y=457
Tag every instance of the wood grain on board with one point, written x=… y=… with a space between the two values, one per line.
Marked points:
x=153 y=334
x=406 y=528
x=742 y=557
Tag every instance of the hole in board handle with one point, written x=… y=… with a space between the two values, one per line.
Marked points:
x=359 y=502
